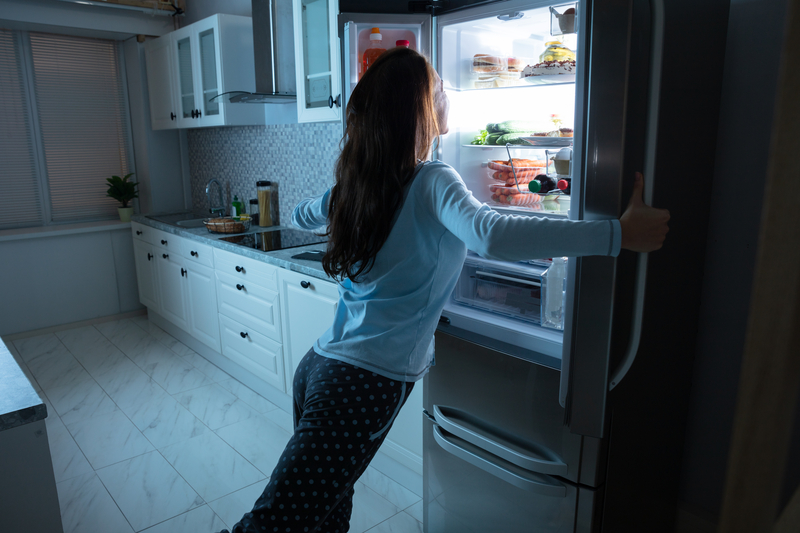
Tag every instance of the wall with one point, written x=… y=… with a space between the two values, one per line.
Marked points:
x=754 y=37
x=200 y=9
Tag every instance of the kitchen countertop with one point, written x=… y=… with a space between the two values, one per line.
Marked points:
x=282 y=258
x=19 y=403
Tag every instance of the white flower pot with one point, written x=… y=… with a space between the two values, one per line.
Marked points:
x=125 y=213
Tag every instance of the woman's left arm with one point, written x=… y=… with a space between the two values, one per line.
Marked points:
x=312 y=213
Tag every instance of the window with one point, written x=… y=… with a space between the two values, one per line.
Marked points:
x=64 y=128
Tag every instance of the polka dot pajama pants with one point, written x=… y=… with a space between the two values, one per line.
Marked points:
x=341 y=415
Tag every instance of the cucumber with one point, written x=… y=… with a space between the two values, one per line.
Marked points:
x=492 y=128
x=516 y=126
x=492 y=138
x=512 y=138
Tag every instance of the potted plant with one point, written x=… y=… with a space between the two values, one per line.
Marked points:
x=123 y=191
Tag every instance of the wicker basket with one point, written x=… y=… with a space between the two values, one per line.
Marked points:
x=226 y=225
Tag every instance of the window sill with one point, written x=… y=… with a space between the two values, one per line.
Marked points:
x=62 y=229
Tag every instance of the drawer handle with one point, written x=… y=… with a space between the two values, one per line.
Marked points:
x=240 y=269
x=193 y=253
x=163 y=242
x=239 y=287
x=165 y=256
x=138 y=232
x=243 y=334
x=184 y=272
x=305 y=284
x=150 y=256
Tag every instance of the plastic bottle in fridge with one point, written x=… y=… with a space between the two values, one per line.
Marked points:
x=553 y=294
x=373 y=51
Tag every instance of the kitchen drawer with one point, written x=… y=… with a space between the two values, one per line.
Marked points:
x=142 y=232
x=250 y=304
x=197 y=252
x=166 y=240
x=245 y=269
x=252 y=351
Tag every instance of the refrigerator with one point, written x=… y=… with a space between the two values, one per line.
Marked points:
x=579 y=427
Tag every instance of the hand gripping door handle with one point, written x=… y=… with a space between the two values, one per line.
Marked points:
x=529 y=456
x=519 y=477
x=657 y=49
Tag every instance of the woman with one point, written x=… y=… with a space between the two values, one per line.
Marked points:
x=398 y=231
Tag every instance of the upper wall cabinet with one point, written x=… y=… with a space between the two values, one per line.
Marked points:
x=188 y=68
x=316 y=50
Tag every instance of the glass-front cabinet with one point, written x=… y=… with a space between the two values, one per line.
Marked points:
x=317 y=54
x=205 y=60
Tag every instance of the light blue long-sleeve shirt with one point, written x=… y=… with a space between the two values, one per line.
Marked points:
x=385 y=322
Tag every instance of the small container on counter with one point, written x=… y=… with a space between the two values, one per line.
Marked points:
x=264 y=193
x=252 y=210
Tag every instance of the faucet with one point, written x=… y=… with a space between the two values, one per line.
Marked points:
x=221 y=208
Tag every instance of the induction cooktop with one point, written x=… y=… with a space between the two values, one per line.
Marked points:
x=279 y=239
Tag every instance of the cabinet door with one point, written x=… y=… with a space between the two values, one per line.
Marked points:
x=252 y=351
x=316 y=46
x=201 y=298
x=185 y=79
x=171 y=272
x=146 y=274
x=205 y=34
x=308 y=305
x=160 y=69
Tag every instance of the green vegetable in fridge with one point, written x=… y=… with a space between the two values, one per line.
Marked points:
x=492 y=138
x=480 y=138
x=492 y=128
x=516 y=126
x=512 y=138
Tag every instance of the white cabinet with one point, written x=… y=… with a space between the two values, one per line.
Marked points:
x=316 y=50
x=146 y=274
x=188 y=68
x=254 y=352
x=307 y=308
x=171 y=272
x=201 y=304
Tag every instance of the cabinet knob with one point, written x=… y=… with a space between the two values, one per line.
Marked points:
x=338 y=101
x=163 y=242
x=199 y=113
x=172 y=116
x=193 y=253
x=243 y=334
x=239 y=269
x=305 y=284
x=239 y=287
x=184 y=272
x=192 y=113
x=150 y=256
x=165 y=256
x=138 y=232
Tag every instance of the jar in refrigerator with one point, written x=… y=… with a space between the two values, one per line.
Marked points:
x=373 y=51
x=554 y=294
x=556 y=51
x=264 y=194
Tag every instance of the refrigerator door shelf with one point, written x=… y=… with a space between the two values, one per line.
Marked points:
x=508 y=472
x=526 y=455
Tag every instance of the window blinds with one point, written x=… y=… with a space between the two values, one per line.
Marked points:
x=20 y=196
x=83 y=118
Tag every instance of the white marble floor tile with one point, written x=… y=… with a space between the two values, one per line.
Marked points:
x=258 y=440
x=52 y=416
x=108 y=439
x=163 y=421
x=388 y=489
x=80 y=400
x=177 y=375
x=148 y=490
x=21 y=362
x=86 y=507
x=128 y=385
x=215 y=406
x=97 y=354
x=56 y=367
x=248 y=396
x=200 y=520
x=232 y=507
x=282 y=418
x=205 y=366
x=33 y=346
x=79 y=338
x=149 y=351
x=68 y=459
x=125 y=335
x=211 y=466
x=369 y=509
x=416 y=511
x=399 y=523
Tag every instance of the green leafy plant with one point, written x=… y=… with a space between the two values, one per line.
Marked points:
x=122 y=190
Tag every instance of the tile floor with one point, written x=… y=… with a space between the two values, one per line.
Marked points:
x=147 y=435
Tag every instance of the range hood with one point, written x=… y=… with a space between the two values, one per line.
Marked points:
x=273 y=39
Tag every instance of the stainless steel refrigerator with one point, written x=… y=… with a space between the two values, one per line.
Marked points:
x=579 y=429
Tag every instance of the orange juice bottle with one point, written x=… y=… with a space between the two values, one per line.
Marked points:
x=374 y=50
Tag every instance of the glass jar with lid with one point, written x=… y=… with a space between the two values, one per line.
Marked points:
x=264 y=193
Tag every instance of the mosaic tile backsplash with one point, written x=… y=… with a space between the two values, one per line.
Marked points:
x=297 y=158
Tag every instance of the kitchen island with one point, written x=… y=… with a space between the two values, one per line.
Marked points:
x=27 y=482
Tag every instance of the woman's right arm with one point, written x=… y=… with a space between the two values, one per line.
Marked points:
x=312 y=213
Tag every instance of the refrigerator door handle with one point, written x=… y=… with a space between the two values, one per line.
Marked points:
x=519 y=477
x=527 y=455
x=649 y=171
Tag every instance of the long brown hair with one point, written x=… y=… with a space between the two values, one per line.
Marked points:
x=391 y=123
